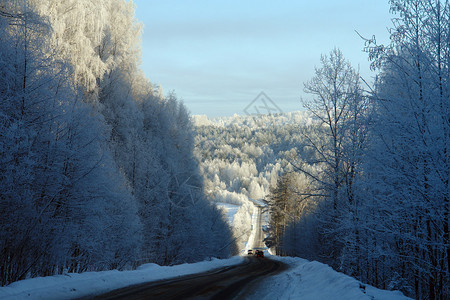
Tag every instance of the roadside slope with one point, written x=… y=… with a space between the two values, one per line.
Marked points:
x=75 y=285
x=311 y=280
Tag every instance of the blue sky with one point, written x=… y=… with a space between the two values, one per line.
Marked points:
x=219 y=55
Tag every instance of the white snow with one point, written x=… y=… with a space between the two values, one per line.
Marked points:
x=295 y=117
x=73 y=285
x=229 y=210
x=305 y=280
x=311 y=280
x=251 y=238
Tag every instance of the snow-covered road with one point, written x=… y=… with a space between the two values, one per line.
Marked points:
x=258 y=234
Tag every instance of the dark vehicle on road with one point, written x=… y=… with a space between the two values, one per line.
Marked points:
x=259 y=253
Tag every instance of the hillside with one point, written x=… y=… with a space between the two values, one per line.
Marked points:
x=242 y=158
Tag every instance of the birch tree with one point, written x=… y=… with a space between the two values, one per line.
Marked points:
x=62 y=196
x=336 y=103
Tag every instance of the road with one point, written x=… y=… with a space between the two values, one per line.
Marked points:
x=226 y=283
x=258 y=242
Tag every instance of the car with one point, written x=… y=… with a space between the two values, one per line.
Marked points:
x=259 y=253
x=250 y=252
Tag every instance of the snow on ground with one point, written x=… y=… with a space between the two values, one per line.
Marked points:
x=73 y=285
x=240 y=220
x=229 y=210
x=251 y=238
x=304 y=280
x=311 y=280
x=258 y=202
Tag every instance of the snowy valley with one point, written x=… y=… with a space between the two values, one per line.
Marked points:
x=242 y=158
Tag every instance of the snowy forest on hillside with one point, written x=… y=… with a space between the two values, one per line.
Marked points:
x=96 y=165
x=242 y=158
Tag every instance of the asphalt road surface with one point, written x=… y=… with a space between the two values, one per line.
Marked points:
x=258 y=242
x=226 y=283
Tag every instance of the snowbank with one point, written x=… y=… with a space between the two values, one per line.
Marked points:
x=72 y=285
x=251 y=238
x=313 y=280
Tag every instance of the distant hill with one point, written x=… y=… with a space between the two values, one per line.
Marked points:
x=241 y=157
x=296 y=117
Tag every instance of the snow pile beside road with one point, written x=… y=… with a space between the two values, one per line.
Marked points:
x=313 y=280
x=74 y=285
x=251 y=238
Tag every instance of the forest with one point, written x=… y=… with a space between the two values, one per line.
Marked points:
x=242 y=158
x=97 y=169
x=376 y=203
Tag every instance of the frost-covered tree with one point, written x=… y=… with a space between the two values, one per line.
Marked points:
x=242 y=157
x=338 y=105
x=409 y=174
x=62 y=198
x=149 y=134
x=77 y=33
x=335 y=99
x=284 y=205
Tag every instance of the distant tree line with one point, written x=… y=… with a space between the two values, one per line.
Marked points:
x=96 y=165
